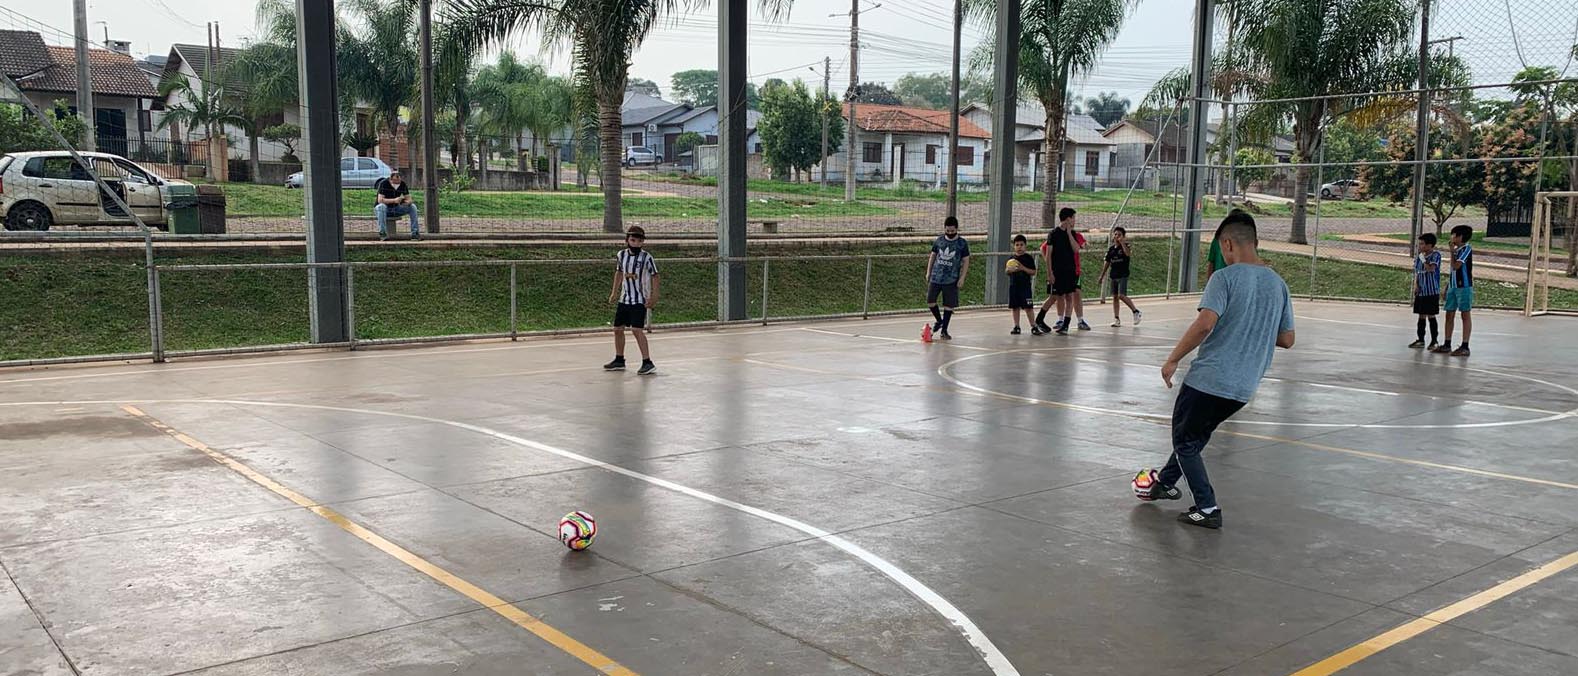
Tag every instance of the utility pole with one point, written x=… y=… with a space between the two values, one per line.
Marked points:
x=953 y=114
x=429 y=143
x=1421 y=129
x=84 y=78
x=827 y=85
x=851 y=142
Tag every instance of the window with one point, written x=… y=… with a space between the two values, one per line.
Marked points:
x=347 y=164
x=931 y=154
x=636 y=138
x=1092 y=163
x=59 y=168
x=871 y=152
x=134 y=172
x=145 y=120
x=366 y=164
x=758 y=149
x=966 y=157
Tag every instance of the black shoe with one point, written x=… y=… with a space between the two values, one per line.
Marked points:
x=416 y=236
x=1432 y=347
x=1441 y=349
x=1037 y=330
x=1461 y=351
x=1061 y=329
x=382 y=237
x=1083 y=326
x=1160 y=492
x=647 y=368
x=1014 y=332
x=1195 y=517
x=1043 y=326
x=618 y=364
x=944 y=336
x=1418 y=344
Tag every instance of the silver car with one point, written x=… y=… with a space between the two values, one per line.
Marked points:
x=40 y=189
x=355 y=172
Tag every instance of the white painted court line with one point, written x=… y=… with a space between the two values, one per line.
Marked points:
x=1477 y=332
x=989 y=653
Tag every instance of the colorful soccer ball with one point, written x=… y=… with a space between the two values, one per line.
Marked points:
x=577 y=529
x=1144 y=482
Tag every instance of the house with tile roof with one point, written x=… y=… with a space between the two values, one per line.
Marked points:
x=1087 y=155
x=906 y=143
x=654 y=123
x=122 y=95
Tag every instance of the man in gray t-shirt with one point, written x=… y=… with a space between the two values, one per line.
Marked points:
x=1244 y=315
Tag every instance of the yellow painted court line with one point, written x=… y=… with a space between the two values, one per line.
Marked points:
x=558 y=639
x=1436 y=618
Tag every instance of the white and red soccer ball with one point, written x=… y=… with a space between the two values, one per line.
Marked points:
x=1144 y=483
x=577 y=530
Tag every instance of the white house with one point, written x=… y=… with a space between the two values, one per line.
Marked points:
x=192 y=62
x=122 y=94
x=904 y=143
x=1087 y=155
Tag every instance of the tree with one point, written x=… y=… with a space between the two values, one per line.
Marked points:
x=697 y=87
x=603 y=36
x=1253 y=161
x=877 y=93
x=517 y=97
x=287 y=135
x=378 y=64
x=209 y=108
x=687 y=142
x=1448 y=186
x=643 y=86
x=1058 y=40
x=1347 y=142
x=1309 y=48
x=268 y=70
x=20 y=131
x=791 y=128
x=1107 y=108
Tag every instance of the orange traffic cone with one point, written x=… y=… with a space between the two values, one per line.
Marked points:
x=926 y=333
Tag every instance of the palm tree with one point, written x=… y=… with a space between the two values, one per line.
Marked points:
x=268 y=70
x=603 y=36
x=1310 y=48
x=550 y=110
x=379 y=64
x=506 y=92
x=1058 y=40
x=210 y=109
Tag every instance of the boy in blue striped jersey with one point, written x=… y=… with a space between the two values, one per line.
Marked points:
x=635 y=292
x=1460 y=290
x=1427 y=289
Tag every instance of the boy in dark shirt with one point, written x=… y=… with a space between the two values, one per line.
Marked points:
x=1062 y=254
x=394 y=199
x=1117 y=263
x=946 y=269
x=1021 y=296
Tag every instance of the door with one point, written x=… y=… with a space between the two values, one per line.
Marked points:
x=896 y=163
x=142 y=192
x=668 y=147
x=367 y=171
x=65 y=187
x=110 y=128
x=348 y=175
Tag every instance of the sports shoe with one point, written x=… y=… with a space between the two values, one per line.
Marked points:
x=618 y=364
x=647 y=368
x=1417 y=344
x=1195 y=517
x=1043 y=326
x=1014 y=332
x=1441 y=349
x=416 y=236
x=1060 y=328
x=1461 y=351
x=1117 y=323
x=1083 y=326
x=1160 y=492
x=383 y=237
x=1036 y=330
x=1136 y=317
x=944 y=335
x=1432 y=346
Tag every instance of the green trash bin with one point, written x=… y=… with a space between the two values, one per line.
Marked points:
x=182 y=209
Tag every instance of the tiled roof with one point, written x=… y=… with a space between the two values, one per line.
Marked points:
x=197 y=57
x=114 y=74
x=22 y=53
x=910 y=120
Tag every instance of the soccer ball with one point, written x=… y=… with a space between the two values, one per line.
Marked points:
x=1143 y=482
x=1012 y=266
x=577 y=529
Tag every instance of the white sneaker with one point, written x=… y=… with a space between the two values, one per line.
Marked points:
x=1136 y=317
x=1117 y=323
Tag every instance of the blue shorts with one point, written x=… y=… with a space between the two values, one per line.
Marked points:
x=1460 y=299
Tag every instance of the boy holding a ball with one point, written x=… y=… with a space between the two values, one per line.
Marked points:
x=1021 y=270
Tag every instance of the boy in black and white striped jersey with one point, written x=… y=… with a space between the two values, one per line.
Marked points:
x=634 y=293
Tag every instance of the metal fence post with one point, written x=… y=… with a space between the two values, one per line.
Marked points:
x=1320 y=177
x=514 y=304
x=766 y=276
x=350 y=304
x=155 y=314
x=865 y=298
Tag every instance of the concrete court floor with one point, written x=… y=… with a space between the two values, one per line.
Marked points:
x=1366 y=486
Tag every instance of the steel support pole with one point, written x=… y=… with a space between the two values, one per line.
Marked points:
x=156 y=312
x=865 y=297
x=514 y=304
x=320 y=138
x=953 y=110
x=1000 y=224
x=733 y=17
x=1421 y=130
x=350 y=305
x=429 y=138
x=1199 y=90
x=767 y=273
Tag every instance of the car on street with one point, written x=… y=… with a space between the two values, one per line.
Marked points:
x=640 y=155
x=355 y=172
x=1344 y=189
x=46 y=188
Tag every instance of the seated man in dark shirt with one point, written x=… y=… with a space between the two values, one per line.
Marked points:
x=394 y=199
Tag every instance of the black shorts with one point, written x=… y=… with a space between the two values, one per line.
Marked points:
x=949 y=293
x=1064 y=284
x=1021 y=297
x=631 y=315
x=1427 y=305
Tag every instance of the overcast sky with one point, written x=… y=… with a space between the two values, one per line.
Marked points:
x=903 y=36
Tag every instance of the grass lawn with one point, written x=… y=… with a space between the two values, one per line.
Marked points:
x=244 y=199
x=95 y=303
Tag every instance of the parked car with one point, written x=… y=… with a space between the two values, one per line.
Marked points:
x=1345 y=189
x=41 y=189
x=355 y=172
x=638 y=155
